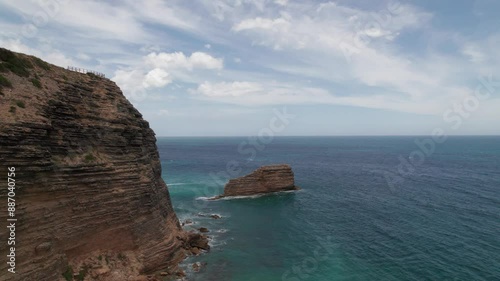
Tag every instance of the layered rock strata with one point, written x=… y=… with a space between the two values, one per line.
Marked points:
x=266 y=179
x=88 y=176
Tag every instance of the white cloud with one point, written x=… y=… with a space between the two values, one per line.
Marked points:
x=273 y=93
x=163 y=112
x=157 y=70
x=178 y=60
x=156 y=78
x=224 y=89
x=49 y=54
x=281 y=2
x=130 y=81
x=277 y=25
x=345 y=45
x=83 y=56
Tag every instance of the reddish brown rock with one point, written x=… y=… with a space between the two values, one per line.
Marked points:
x=266 y=179
x=88 y=175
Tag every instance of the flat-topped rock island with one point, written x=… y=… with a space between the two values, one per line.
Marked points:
x=266 y=179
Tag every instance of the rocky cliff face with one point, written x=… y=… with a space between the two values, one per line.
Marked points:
x=89 y=195
x=266 y=179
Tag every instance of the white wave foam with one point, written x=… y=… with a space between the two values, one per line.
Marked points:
x=205 y=198
x=178 y=183
x=254 y=196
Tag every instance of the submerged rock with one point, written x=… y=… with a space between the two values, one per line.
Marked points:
x=266 y=179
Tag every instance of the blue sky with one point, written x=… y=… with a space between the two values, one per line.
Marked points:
x=223 y=68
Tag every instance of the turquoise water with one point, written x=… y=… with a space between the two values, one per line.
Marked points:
x=441 y=222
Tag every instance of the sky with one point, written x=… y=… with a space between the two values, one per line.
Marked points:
x=280 y=67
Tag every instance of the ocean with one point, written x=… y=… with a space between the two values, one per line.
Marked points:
x=370 y=208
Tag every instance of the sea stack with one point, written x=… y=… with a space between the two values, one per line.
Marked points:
x=266 y=179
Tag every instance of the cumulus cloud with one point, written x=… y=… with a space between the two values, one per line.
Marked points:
x=156 y=78
x=179 y=60
x=158 y=70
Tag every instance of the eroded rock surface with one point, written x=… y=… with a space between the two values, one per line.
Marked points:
x=88 y=176
x=266 y=179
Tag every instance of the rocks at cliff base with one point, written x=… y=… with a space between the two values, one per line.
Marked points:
x=194 y=242
x=213 y=216
x=266 y=179
x=197 y=266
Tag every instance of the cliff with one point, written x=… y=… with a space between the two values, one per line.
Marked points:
x=90 y=201
x=266 y=179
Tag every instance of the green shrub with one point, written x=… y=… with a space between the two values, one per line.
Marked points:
x=12 y=109
x=42 y=64
x=14 y=63
x=68 y=274
x=121 y=257
x=65 y=77
x=89 y=158
x=92 y=75
x=81 y=275
x=36 y=83
x=4 y=82
x=20 y=104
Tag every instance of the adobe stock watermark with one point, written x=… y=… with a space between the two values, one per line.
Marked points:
x=48 y=10
x=250 y=147
x=365 y=33
x=303 y=269
x=455 y=116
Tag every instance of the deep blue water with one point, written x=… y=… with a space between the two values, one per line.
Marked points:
x=440 y=222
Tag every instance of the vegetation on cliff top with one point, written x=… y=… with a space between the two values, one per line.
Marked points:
x=4 y=82
x=18 y=65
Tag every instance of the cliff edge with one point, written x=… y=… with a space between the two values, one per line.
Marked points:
x=90 y=200
x=266 y=179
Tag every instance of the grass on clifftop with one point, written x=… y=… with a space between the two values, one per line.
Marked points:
x=4 y=82
x=14 y=63
x=42 y=64
x=94 y=76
